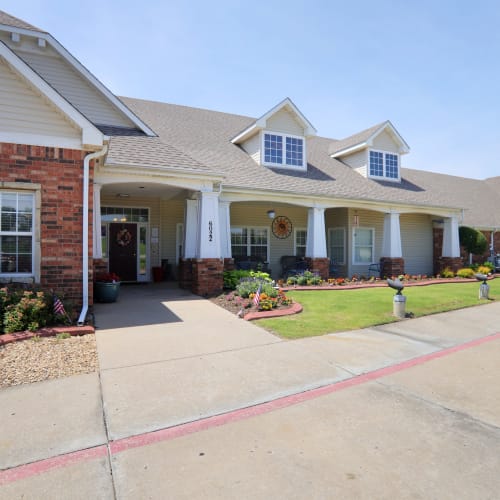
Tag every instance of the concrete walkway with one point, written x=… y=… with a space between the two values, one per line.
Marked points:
x=173 y=363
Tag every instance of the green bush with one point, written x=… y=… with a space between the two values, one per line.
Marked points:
x=232 y=278
x=482 y=269
x=250 y=285
x=305 y=278
x=489 y=265
x=466 y=272
x=24 y=310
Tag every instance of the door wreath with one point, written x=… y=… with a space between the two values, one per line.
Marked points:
x=123 y=237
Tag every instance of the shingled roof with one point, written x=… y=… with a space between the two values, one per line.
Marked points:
x=9 y=20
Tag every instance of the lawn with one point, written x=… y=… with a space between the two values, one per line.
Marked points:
x=330 y=311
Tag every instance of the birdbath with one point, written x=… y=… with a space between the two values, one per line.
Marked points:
x=399 y=301
x=484 y=288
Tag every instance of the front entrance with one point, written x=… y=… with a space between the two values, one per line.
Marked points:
x=123 y=247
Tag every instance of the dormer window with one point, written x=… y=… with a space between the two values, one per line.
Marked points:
x=283 y=150
x=383 y=165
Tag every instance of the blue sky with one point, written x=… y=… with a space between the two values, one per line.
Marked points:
x=429 y=67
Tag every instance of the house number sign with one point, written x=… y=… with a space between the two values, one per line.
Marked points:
x=210 y=230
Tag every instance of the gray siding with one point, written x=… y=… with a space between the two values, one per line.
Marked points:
x=417 y=243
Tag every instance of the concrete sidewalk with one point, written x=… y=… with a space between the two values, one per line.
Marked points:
x=168 y=358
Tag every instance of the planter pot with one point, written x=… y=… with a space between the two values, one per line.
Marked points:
x=106 y=292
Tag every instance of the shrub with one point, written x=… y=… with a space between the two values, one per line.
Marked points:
x=472 y=240
x=447 y=273
x=232 y=278
x=305 y=278
x=22 y=309
x=250 y=285
x=466 y=272
x=486 y=268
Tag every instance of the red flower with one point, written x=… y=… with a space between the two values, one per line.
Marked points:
x=107 y=278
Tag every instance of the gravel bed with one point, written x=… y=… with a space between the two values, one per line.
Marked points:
x=38 y=359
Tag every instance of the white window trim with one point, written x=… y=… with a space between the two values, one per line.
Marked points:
x=383 y=177
x=295 y=231
x=34 y=190
x=330 y=230
x=249 y=228
x=362 y=263
x=283 y=165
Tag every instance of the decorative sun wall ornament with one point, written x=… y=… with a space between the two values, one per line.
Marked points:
x=281 y=227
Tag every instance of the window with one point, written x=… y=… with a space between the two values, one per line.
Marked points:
x=300 y=242
x=384 y=165
x=284 y=150
x=336 y=238
x=363 y=243
x=249 y=242
x=16 y=232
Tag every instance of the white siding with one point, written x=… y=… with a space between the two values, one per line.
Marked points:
x=252 y=147
x=283 y=121
x=384 y=142
x=75 y=88
x=356 y=160
x=25 y=113
x=417 y=243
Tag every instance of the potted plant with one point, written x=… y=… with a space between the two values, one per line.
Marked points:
x=106 y=287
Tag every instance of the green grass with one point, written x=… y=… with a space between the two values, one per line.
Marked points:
x=330 y=311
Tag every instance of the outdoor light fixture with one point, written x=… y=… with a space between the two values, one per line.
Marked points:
x=271 y=214
x=355 y=220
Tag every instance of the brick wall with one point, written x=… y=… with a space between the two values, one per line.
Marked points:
x=391 y=266
x=60 y=174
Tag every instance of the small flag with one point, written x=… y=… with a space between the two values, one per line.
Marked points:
x=256 y=297
x=58 y=307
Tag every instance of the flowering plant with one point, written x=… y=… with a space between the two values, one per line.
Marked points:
x=107 y=278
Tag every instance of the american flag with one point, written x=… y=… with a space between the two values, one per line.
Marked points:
x=256 y=297
x=58 y=307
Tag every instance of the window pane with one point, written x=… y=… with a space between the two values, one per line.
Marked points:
x=273 y=148
x=24 y=244
x=8 y=221
x=9 y=202
x=391 y=166
x=376 y=164
x=25 y=222
x=294 y=155
x=337 y=245
x=363 y=236
x=24 y=263
x=8 y=244
x=363 y=246
x=26 y=203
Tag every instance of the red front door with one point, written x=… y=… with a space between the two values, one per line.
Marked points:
x=123 y=251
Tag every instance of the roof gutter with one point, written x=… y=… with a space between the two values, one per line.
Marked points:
x=85 y=232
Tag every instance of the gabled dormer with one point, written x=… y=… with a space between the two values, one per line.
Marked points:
x=278 y=138
x=374 y=153
x=68 y=77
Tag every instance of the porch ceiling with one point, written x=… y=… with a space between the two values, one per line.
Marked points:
x=141 y=190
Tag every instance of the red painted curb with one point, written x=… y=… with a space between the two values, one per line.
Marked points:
x=124 y=444
x=35 y=468
x=120 y=445
x=8 y=338
x=381 y=284
x=274 y=313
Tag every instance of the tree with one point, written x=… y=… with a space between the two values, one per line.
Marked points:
x=473 y=241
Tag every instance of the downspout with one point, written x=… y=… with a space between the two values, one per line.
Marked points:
x=85 y=235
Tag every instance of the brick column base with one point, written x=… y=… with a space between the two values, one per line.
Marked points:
x=229 y=264
x=320 y=266
x=185 y=272
x=391 y=266
x=207 y=277
x=454 y=263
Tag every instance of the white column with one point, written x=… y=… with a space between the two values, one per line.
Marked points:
x=451 y=242
x=190 y=229
x=316 y=237
x=96 y=223
x=208 y=226
x=391 y=246
x=225 y=229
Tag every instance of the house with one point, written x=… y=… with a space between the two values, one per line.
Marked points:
x=92 y=182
